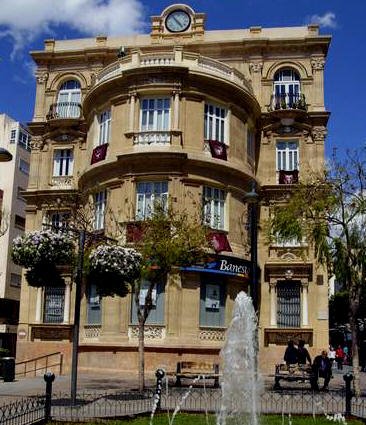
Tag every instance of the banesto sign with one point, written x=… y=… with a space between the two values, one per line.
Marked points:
x=223 y=265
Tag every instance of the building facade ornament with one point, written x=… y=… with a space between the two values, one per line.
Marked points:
x=255 y=66
x=42 y=78
x=37 y=143
x=317 y=63
x=319 y=134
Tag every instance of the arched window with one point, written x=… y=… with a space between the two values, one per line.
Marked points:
x=68 y=100
x=286 y=89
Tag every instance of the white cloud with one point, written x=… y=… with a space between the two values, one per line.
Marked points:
x=327 y=20
x=24 y=20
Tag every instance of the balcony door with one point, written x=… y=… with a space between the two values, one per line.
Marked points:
x=286 y=88
x=68 y=101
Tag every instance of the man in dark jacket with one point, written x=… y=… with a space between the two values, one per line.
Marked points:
x=291 y=354
x=321 y=368
x=303 y=353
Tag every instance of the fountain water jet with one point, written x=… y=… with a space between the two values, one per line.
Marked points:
x=240 y=383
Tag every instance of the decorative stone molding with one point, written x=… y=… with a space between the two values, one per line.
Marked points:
x=37 y=143
x=317 y=63
x=63 y=182
x=92 y=331
x=283 y=336
x=255 y=67
x=42 y=78
x=150 y=332
x=212 y=334
x=319 y=134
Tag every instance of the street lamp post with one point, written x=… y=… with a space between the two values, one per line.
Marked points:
x=252 y=199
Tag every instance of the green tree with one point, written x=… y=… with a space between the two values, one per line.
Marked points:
x=170 y=239
x=329 y=211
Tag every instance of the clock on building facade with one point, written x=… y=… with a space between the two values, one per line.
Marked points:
x=178 y=21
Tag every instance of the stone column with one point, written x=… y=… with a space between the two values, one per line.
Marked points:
x=67 y=302
x=176 y=94
x=255 y=68
x=39 y=305
x=317 y=64
x=131 y=118
x=305 y=306
x=273 y=304
x=39 y=112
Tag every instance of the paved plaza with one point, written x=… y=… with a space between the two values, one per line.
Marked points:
x=108 y=383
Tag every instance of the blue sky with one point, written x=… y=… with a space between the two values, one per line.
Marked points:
x=24 y=24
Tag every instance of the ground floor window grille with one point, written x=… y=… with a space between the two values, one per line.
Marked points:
x=54 y=300
x=288 y=304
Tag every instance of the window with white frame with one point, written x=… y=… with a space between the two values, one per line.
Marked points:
x=155 y=118
x=286 y=88
x=287 y=155
x=214 y=207
x=147 y=195
x=60 y=219
x=215 y=123
x=15 y=280
x=104 y=120
x=68 y=100
x=24 y=140
x=13 y=136
x=23 y=166
x=63 y=162
x=99 y=209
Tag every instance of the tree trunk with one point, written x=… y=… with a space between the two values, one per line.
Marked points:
x=141 y=355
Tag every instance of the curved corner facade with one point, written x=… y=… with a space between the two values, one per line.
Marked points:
x=189 y=117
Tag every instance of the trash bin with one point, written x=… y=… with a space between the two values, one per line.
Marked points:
x=8 y=367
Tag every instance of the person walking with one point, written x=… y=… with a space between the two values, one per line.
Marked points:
x=339 y=357
x=331 y=356
x=291 y=354
x=303 y=354
x=321 y=368
x=345 y=355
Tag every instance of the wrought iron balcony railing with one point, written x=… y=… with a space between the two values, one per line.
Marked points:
x=287 y=101
x=64 y=110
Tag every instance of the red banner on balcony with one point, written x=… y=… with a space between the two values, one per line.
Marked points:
x=218 y=149
x=134 y=232
x=99 y=153
x=289 y=177
x=219 y=242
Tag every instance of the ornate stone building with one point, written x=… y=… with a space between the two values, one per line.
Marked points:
x=192 y=116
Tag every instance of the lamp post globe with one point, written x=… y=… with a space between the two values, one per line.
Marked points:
x=5 y=155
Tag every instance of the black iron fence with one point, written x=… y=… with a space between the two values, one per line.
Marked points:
x=117 y=404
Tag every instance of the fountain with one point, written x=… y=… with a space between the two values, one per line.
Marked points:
x=240 y=384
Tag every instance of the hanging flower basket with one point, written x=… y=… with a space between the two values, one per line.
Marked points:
x=112 y=268
x=41 y=252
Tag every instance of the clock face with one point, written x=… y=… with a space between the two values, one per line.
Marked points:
x=178 y=21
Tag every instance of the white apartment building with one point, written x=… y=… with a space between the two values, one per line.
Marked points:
x=13 y=180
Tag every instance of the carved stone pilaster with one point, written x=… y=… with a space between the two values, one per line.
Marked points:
x=317 y=63
x=319 y=134
x=37 y=143
x=255 y=67
x=42 y=77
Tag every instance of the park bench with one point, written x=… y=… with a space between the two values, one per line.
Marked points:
x=292 y=373
x=192 y=370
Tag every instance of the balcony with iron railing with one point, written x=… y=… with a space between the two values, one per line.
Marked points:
x=64 y=111
x=287 y=102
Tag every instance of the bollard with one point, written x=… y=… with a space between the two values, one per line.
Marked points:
x=159 y=385
x=49 y=378
x=348 y=377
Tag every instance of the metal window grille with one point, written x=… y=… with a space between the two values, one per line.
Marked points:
x=215 y=123
x=54 y=299
x=288 y=304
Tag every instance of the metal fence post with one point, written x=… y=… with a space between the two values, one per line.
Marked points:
x=348 y=377
x=49 y=378
x=159 y=385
